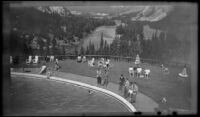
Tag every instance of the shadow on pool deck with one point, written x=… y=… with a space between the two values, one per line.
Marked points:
x=143 y=102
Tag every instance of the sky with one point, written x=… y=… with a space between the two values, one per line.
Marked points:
x=109 y=7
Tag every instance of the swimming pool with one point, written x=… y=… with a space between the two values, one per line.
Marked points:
x=41 y=96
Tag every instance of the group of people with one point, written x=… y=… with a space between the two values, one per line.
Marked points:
x=102 y=77
x=50 y=70
x=129 y=89
x=138 y=72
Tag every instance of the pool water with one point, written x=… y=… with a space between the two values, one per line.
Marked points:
x=39 y=96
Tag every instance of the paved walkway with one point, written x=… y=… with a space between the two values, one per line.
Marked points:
x=143 y=102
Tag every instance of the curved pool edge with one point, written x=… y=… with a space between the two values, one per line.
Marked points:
x=129 y=106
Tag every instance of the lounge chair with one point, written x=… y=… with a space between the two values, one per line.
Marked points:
x=35 y=61
x=29 y=60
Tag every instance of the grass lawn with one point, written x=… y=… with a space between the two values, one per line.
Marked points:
x=177 y=91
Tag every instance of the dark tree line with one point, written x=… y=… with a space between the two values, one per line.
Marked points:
x=132 y=42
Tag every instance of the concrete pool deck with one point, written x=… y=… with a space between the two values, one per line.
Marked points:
x=143 y=102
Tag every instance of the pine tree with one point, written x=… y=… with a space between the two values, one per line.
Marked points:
x=101 y=44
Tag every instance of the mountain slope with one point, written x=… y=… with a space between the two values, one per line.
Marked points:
x=62 y=11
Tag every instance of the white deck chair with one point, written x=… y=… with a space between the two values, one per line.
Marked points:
x=35 y=61
x=29 y=60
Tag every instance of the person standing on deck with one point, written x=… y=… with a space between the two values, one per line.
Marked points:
x=98 y=76
x=126 y=88
x=135 y=91
x=106 y=78
x=121 y=83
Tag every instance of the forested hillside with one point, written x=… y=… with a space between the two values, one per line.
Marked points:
x=178 y=28
x=48 y=33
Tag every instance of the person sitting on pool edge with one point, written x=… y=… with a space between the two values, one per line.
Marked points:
x=49 y=72
x=43 y=68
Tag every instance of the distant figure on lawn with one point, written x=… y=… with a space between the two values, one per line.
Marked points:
x=84 y=59
x=43 y=68
x=57 y=66
x=138 y=72
x=91 y=62
x=56 y=61
x=79 y=59
x=131 y=72
x=108 y=63
x=146 y=73
x=121 y=83
x=99 y=76
x=51 y=58
x=163 y=106
x=184 y=72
